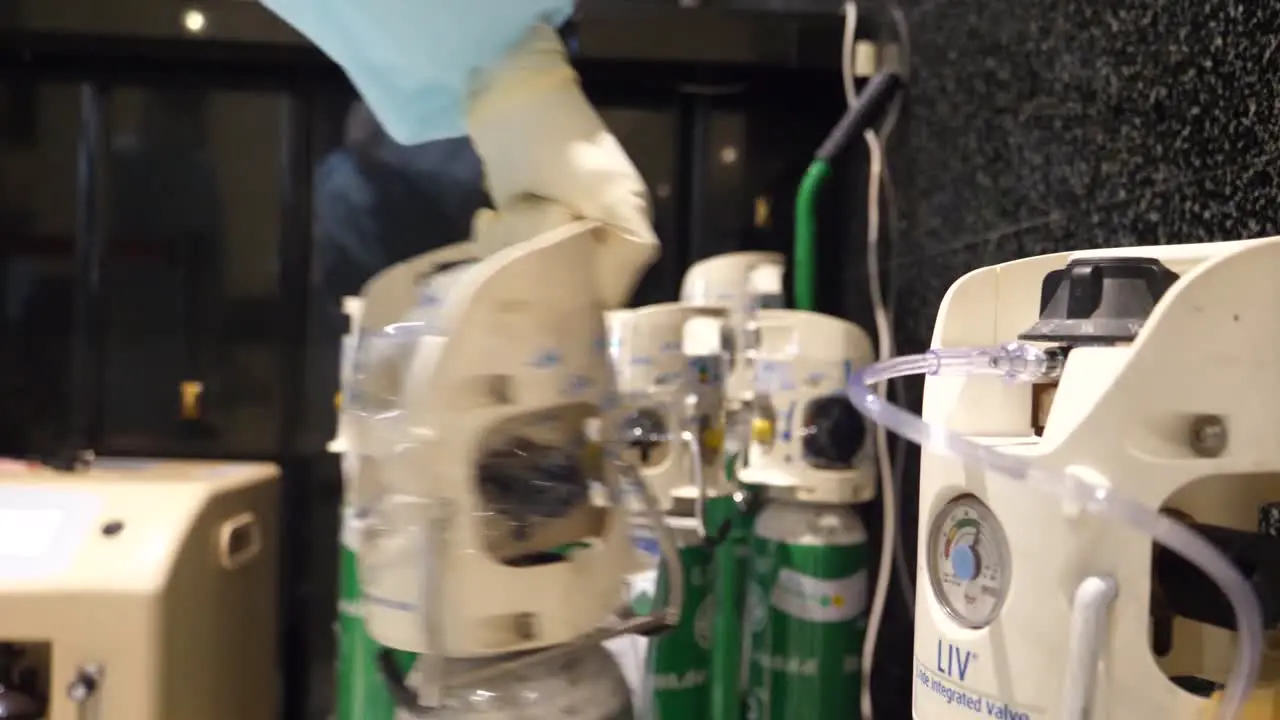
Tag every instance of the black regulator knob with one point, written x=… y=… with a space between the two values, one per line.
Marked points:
x=1099 y=300
x=833 y=432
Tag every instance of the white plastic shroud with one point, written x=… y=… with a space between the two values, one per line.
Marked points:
x=799 y=357
x=516 y=342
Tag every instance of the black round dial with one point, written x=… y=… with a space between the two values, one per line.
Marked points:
x=833 y=432
x=528 y=481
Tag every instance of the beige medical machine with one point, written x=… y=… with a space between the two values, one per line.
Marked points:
x=1164 y=370
x=139 y=590
x=495 y=545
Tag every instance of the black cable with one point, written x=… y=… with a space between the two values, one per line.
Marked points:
x=401 y=694
x=879 y=92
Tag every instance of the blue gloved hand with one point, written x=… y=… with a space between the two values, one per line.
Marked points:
x=414 y=61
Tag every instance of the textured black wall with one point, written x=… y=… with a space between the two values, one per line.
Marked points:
x=1046 y=125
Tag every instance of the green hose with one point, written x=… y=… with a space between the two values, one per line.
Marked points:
x=875 y=97
x=806 y=234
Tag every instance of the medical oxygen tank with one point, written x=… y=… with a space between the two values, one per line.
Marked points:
x=741 y=283
x=809 y=459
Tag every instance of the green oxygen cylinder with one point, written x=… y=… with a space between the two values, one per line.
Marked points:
x=806 y=611
x=729 y=659
x=740 y=283
x=677 y=667
x=681 y=669
x=730 y=566
x=809 y=460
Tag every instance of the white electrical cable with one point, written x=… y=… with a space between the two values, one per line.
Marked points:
x=848 y=46
x=876 y=177
x=888 y=493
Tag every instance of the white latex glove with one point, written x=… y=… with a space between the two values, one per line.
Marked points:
x=544 y=146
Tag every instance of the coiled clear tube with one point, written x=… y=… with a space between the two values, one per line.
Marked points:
x=1026 y=363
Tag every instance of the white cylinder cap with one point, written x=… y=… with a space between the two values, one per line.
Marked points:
x=703 y=335
x=766 y=279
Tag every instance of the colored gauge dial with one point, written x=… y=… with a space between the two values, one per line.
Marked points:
x=969 y=561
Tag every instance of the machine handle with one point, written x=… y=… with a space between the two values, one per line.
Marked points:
x=1089 y=611
x=239 y=541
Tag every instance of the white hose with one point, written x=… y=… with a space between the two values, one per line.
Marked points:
x=1020 y=362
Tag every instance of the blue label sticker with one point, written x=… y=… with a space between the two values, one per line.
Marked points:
x=547 y=359
x=577 y=385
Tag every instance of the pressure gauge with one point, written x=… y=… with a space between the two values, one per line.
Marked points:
x=969 y=561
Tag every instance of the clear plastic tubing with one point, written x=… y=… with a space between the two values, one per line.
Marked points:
x=1019 y=362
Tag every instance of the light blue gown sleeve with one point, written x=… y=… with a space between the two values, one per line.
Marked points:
x=413 y=61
